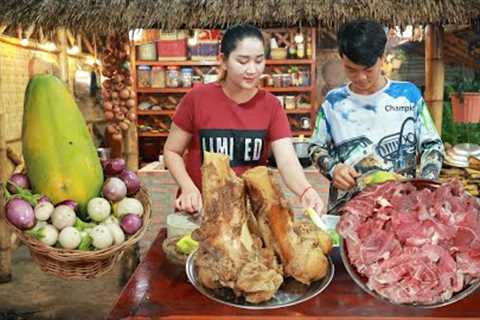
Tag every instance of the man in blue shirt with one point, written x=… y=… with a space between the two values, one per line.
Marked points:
x=372 y=122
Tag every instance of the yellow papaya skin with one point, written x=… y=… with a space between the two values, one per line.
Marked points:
x=61 y=159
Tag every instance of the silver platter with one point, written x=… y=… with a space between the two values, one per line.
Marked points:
x=290 y=293
x=361 y=281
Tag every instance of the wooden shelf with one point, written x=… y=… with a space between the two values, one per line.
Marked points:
x=296 y=111
x=156 y=112
x=289 y=61
x=178 y=63
x=288 y=89
x=163 y=90
x=217 y=63
x=185 y=90
x=153 y=135
x=306 y=94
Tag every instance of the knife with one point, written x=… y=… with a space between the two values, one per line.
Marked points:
x=310 y=212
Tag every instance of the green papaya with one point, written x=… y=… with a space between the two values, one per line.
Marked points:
x=60 y=156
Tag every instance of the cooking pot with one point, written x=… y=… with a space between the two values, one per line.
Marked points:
x=301 y=149
x=85 y=83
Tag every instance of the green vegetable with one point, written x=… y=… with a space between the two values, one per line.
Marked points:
x=86 y=242
x=334 y=236
x=186 y=245
x=24 y=194
x=81 y=225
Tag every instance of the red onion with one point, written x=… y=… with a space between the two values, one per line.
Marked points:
x=19 y=180
x=131 y=223
x=20 y=213
x=114 y=167
x=131 y=181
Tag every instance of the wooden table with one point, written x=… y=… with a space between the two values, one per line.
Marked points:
x=159 y=289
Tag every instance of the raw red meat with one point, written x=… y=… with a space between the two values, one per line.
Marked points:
x=413 y=245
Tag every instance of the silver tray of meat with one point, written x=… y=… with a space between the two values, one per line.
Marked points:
x=290 y=293
x=415 y=242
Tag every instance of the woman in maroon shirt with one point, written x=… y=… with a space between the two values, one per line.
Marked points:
x=235 y=118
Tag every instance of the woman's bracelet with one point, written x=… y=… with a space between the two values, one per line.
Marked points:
x=305 y=191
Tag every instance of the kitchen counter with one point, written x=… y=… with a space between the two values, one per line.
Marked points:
x=160 y=289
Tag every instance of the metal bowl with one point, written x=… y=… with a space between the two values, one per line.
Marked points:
x=361 y=281
x=291 y=292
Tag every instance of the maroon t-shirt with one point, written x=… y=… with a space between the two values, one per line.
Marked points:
x=218 y=124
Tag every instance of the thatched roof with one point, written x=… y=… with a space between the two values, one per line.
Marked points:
x=101 y=17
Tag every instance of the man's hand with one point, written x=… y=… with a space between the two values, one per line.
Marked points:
x=344 y=177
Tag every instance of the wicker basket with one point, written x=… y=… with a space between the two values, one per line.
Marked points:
x=82 y=265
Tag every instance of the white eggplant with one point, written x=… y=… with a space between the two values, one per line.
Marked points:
x=63 y=216
x=69 y=238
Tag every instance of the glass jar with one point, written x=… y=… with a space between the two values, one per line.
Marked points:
x=158 y=77
x=300 y=50
x=144 y=77
x=289 y=102
x=286 y=80
x=187 y=77
x=173 y=77
x=277 y=80
x=305 y=75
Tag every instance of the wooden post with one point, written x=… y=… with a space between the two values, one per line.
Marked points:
x=130 y=148
x=434 y=73
x=5 y=232
x=131 y=141
x=63 y=55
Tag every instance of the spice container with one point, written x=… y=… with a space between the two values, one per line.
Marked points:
x=173 y=77
x=187 y=77
x=305 y=75
x=144 y=78
x=277 y=80
x=158 y=77
x=286 y=80
x=289 y=102
x=208 y=78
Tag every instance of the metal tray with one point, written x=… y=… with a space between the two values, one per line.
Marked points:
x=290 y=293
x=467 y=149
x=361 y=281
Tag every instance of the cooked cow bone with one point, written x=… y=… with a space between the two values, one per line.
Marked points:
x=300 y=246
x=229 y=256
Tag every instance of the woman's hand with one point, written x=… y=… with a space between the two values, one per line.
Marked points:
x=311 y=199
x=344 y=177
x=190 y=200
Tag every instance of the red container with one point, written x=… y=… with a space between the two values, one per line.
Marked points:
x=172 y=49
x=469 y=110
